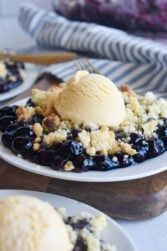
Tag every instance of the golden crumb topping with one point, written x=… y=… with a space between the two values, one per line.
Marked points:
x=55 y=137
x=46 y=99
x=143 y=115
x=69 y=166
x=25 y=113
x=51 y=123
x=37 y=129
x=127 y=149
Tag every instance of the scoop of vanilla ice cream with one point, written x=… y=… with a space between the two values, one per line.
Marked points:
x=28 y=224
x=91 y=98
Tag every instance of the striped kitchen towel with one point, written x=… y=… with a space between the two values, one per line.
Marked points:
x=126 y=58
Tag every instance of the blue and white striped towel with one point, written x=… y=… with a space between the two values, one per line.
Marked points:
x=127 y=59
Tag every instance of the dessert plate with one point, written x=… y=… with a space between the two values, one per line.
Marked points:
x=113 y=233
x=30 y=75
x=147 y=168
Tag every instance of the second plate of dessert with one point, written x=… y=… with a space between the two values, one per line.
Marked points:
x=15 y=78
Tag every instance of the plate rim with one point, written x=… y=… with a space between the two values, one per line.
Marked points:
x=23 y=164
x=110 y=220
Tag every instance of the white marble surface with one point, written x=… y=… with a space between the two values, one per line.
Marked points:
x=148 y=235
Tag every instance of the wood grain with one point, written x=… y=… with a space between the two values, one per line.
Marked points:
x=137 y=199
x=40 y=58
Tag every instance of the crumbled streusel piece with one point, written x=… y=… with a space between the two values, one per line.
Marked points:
x=69 y=166
x=91 y=151
x=46 y=99
x=127 y=148
x=84 y=138
x=150 y=127
x=51 y=123
x=102 y=139
x=36 y=146
x=55 y=137
x=25 y=113
x=37 y=139
x=37 y=129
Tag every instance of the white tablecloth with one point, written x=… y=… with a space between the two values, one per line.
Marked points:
x=148 y=235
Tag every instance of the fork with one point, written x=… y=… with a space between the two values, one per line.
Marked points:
x=85 y=64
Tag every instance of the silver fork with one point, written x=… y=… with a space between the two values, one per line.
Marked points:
x=85 y=64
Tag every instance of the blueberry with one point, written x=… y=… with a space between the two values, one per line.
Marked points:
x=59 y=162
x=5 y=121
x=8 y=111
x=83 y=163
x=142 y=152
x=71 y=148
x=162 y=131
x=165 y=121
x=80 y=245
x=37 y=119
x=74 y=133
x=78 y=225
x=156 y=147
x=44 y=157
x=12 y=127
x=24 y=131
x=125 y=160
x=120 y=135
x=104 y=163
x=30 y=103
x=23 y=146
x=135 y=138
x=7 y=139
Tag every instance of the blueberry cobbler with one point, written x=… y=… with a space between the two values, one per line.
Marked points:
x=11 y=75
x=85 y=231
x=40 y=226
x=86 y=124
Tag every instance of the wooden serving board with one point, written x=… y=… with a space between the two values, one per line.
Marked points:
x=132 y=200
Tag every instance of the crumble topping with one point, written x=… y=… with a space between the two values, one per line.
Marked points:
x=51 y=123
x=24 y=113
x=55 y=137
x=37 y=129
x=127 y=148
x=69 y=166
x=36 y=146
x=46 y=99
x=140 y=110
x=150 y=127
x=143 y=114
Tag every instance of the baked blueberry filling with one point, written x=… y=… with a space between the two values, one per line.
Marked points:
x=46 y=139
x=19 y=137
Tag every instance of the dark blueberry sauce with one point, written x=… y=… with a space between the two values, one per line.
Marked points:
x=19 y=138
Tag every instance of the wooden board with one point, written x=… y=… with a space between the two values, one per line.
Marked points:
x=137 y=199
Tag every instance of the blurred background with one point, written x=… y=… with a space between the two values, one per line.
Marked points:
x=142 y=17
x=15 y=37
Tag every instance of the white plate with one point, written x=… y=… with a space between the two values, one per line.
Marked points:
x=113 y=234
x=30 y=75
x=147 y=168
